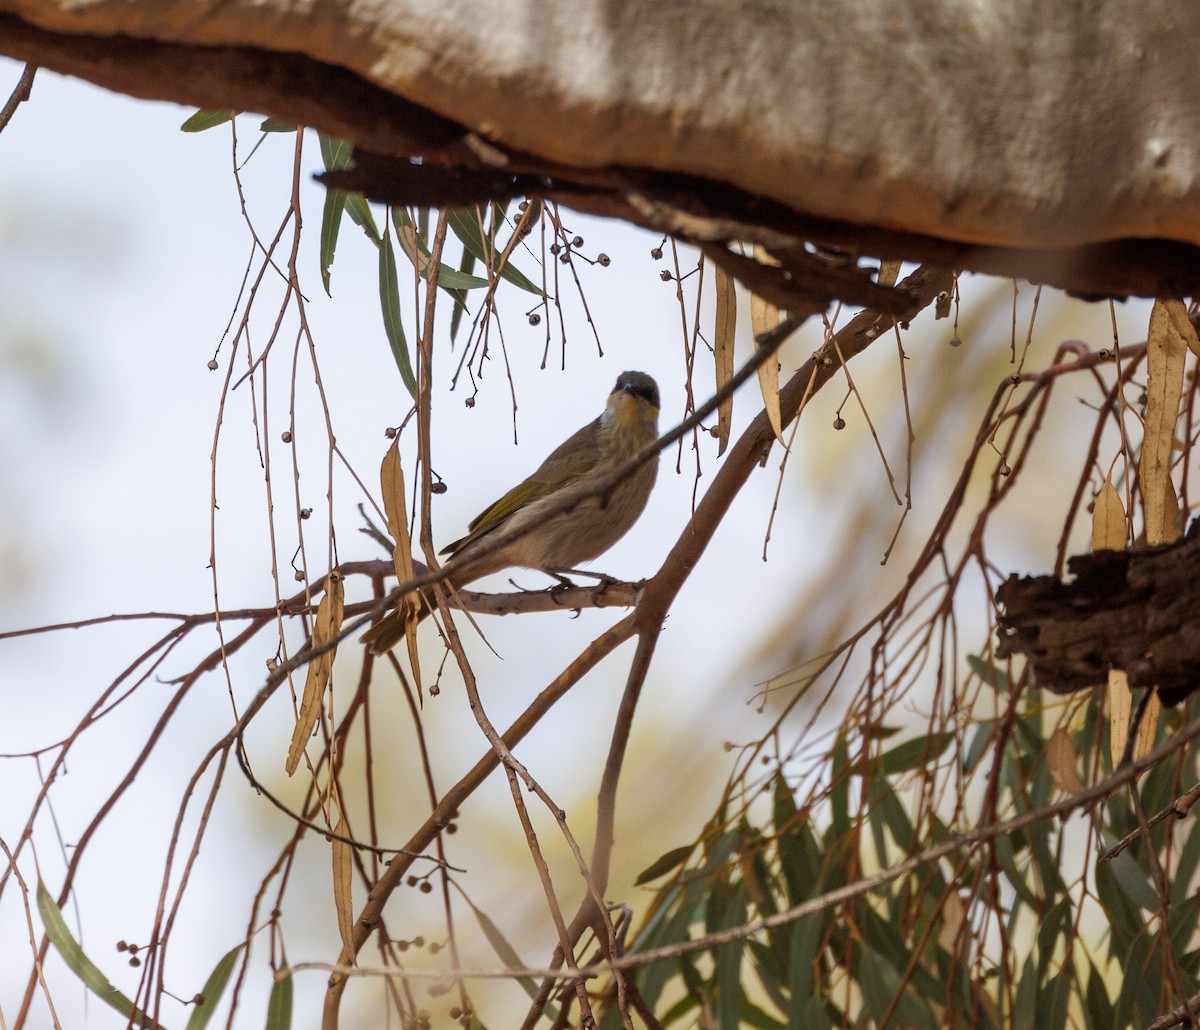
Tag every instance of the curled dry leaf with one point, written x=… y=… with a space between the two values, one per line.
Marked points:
x=1060 y=759
x=391 y=481
x=1183 y=325
x=1148 y=727
x=1108 y=520
x=1119 y=704
x=723 y=338
x=325 y=628
x=764 y=316
x=1166 y=348
x=410 y=244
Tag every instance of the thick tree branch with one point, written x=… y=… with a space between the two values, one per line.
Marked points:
x=1042 y=145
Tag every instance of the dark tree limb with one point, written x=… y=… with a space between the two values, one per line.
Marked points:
x=1130 y=610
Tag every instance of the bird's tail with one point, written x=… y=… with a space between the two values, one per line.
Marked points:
x=391 y=629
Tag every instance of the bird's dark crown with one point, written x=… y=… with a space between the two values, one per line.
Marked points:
x=640 y=385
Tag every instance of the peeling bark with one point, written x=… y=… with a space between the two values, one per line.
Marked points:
x=1131 y=610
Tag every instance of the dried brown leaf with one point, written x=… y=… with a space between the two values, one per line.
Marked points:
x=1183 y=325
x=395 y=505
x=954 y=914
x=764 y=316
x=326 y=626
x=343 y=871
x=1108 y=520
x=1166 y=349
x=1172 y=525
x=1060 y=759
x=723 y=339
x=1119 y=705
x=1148 y=727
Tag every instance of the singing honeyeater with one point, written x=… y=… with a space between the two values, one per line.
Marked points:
x=577 y=534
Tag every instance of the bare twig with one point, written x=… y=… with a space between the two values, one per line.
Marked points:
x=18 y=96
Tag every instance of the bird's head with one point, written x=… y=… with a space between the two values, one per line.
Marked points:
x=633 y=402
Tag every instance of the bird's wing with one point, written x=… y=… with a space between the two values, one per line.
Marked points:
x=566 y=463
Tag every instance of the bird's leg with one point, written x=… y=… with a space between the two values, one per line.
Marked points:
x=563 y=583
x=603 y=581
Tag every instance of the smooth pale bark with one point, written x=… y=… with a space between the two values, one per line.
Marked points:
x=1022 y=124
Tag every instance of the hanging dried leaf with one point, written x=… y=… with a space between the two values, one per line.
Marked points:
x=325 y=628
x=954 y=914
x=343 y=870
x=1060 y=759
x=1166 y=349
x=1108 y=520
x=1148 y=727
x=1119 y=705
x=395 y=505
x=1183 y=325
x=764 y=316
x=723 y=338
x=1172 y=524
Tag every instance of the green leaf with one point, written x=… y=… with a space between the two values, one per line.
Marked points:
x=812 y=1015
x=806 y=938
x=1056 y=924
x=1185 y=868
x=768 y=968
x=360 y=215
x=1025 y=1002
x=1099 y=1009
x=1134 y=883
x=979 y=743
x=664 y=864
x=465 y=225
x=213 y=988
x=752 y=1016
x=992 y=675
x=331 y=222
x=728 y=958
x=507 y=954
x=279 y=1004
x=389 y=303
x=1052 y=1006
x=1183 y=923
x=920 y=751
x=336 y=153
x=73 y=955
x=839 y=790
x=276 y=125
x=800 y=858
x=612 y=1018
x=204 y=119
x=466 y=265
x=1123 y=917
x=449 y=279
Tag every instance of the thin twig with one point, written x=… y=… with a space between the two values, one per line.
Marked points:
x=18 y=96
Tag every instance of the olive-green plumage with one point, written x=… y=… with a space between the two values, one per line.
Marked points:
x=563 y=539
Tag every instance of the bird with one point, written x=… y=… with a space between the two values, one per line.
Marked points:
x=563 y=539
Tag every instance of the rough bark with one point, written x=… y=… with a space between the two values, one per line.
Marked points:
x=1058 y=143
x=1132 y=610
